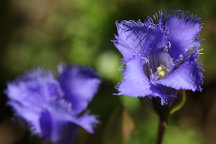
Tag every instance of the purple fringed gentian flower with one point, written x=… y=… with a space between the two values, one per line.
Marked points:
x=54 y=108
x=160 y=55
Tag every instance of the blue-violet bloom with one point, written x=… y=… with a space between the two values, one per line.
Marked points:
x=55 y=108
x=160 y=55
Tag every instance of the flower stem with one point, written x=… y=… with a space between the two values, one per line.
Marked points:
x=161 y=128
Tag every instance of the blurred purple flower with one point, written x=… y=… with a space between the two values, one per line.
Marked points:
x=160 y=55
x=53 y=107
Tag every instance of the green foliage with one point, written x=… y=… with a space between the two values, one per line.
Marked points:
x=146 y=133
x=131 y=103
x=108 y=64
x=178 y=135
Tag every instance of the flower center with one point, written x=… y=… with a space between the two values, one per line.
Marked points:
x=158 y=65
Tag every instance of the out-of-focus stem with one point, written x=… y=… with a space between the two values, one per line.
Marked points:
x=161 y=129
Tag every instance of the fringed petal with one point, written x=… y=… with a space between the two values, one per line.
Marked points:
x=135 y=83
x=183 y=31
x=137 y=38
x=87 y=122
x=186 y=76
x=79 y=86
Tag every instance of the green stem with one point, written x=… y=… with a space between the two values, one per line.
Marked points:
x=181 y=104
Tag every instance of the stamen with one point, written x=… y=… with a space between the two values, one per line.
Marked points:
x=161 y=72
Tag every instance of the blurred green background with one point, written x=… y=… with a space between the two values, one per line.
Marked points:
x=43 y=33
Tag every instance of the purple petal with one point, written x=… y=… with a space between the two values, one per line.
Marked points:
x=137 y=38
x=30 y=93
x=166 y=94
x=186 y=76
x=87 y=122
x=60 y=120
x=33 y=89
x=31 y=117
x=184 y=32
x=79 y=85
x=54 y=121
x=46 y=123
x=134 y=83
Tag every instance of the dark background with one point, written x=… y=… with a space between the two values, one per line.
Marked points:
x=43 y=33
